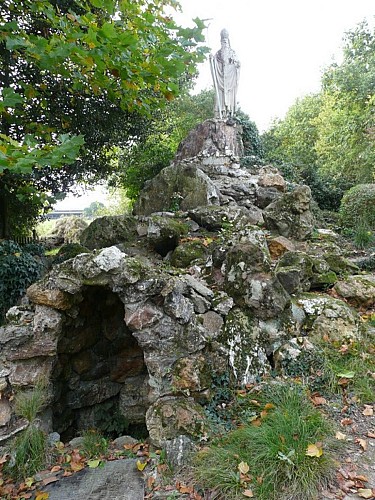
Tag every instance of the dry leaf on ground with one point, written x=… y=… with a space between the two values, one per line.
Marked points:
x=314 y=450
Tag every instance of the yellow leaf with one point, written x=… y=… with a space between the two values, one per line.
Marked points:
x=77 y=466
x=313 y=450
x=269 y=406
x=257 y=422
x=29 y=481
x=365 y=493
x=93 y=464
x=248 y=493
x=243 y=467
x=42 y=495
x=341 y=436
x=141 y=465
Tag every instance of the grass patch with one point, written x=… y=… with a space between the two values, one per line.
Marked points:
x=94 y=444
x=29 y=449
x=273 y=446
x=29 y=452
x=28 y=404
x=353 y=361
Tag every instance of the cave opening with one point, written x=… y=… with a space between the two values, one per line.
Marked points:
x=100 y=377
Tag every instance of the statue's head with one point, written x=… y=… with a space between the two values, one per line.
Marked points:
x=224 y=35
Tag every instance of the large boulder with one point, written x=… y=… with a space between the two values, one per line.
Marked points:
x=212 y=137
x=109 y=230
x=359 y=290
x=291 y=215
x=177 y=187
x=216 y=217
x=328 y=318
x=172 y=416
x=163 y=233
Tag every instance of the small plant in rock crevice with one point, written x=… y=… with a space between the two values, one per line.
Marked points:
x=29 y=449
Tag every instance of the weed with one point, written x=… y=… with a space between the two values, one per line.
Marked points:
x=275 y=451
x=29 y=449
x=29 y=404
x=363 y=236
x=29 y=453
x=355 y=358
x=94 y=444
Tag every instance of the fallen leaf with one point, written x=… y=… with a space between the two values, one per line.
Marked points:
x=257 y=422
x=318 y=400
x=141 y=465
x=243 y=467
x=150 y=482
x=346 y=421
x=248 y=493
x=93 y=464
x=340 y=436
x=29 y=481
x=3 y=459
x=314 y=450
x=67 y=473
x=368 y=411
x=56 y=468
x=269 y=406
x=49 y=480
x=77 y=466
x=371 y=434
x=346 y=374
x=185 y=489
x=255 y=402
x=360 y=477
x=362 y=443
x=365 y=493
x=263 y=413
x=42 y=495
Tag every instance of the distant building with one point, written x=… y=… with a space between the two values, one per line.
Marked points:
x=56 y=214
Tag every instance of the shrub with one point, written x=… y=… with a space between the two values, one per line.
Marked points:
x=18 y=270
x=358 y=207
x=69 y=228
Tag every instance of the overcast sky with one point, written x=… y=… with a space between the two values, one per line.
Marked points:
x=283 y=45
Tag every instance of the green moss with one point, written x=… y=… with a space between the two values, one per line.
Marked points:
x=187 y=252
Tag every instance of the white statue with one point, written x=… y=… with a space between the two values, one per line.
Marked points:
x=225 y=69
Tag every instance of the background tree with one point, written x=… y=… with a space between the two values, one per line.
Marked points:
x=74 y=68
x=327 y=140
x=143 y=160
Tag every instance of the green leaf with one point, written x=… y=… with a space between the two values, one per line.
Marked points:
x=109 y=30
x=346 y=374
x=10 y=98
x=93 y=464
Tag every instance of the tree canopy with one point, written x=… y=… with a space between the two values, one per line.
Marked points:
x=330 y=135
x=77 y=77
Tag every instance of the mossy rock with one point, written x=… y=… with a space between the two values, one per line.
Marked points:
x=188 y=252
x=109 y=230
x=164 y=233
x=69 y=251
